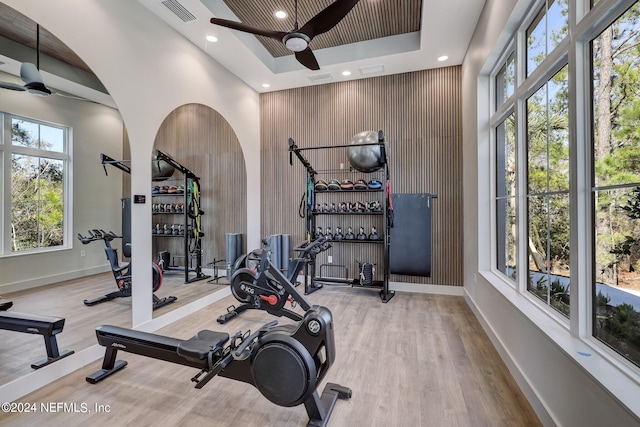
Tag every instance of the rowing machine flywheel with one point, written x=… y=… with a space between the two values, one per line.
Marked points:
x=283 y=370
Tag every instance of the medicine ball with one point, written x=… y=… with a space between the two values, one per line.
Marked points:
x=365 y=158
x=161 y=170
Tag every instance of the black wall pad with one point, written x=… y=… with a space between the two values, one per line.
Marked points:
x=126 y=228
x=233 y=250
x=410 y=245
x=285 y=253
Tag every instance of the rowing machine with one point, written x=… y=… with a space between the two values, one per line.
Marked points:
x=285 y=363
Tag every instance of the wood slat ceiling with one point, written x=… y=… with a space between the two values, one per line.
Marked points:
x=368 y=20
x=20 y=29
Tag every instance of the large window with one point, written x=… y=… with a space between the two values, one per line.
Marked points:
x=567 y=168
x=616 y=184
x=35 y=179
x=506 y=197
x=548 y=192
x=547 y=30
x=505 y=81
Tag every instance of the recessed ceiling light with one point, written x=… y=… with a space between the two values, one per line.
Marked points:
x=212 y=39
x=443 y=58
x=266 y=85
x=346 y=73
x=281 y=14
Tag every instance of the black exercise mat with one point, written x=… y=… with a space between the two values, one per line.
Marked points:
x=410 y=243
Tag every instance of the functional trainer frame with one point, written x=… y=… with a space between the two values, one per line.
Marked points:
x=316 y=283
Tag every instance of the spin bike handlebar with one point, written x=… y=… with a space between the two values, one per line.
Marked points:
x=97 y=234
x=313 y=248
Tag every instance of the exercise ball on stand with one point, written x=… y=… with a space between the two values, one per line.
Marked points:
x=161 y=170
x=365 y=158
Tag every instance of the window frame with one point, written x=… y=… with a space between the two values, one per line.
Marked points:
x=584 y=23
x=7 y=150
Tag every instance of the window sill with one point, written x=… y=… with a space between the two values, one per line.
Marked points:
x=36 y=251
x=608 y=368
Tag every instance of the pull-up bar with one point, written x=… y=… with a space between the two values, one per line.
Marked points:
x=294 y=149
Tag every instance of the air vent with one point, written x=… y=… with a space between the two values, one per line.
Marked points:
x=179 y=10
x=321 y=78
x=371 y=71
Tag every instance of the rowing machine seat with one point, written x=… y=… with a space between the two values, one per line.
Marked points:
x=202 y=344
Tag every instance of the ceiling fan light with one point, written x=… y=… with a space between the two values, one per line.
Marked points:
x=295 y=44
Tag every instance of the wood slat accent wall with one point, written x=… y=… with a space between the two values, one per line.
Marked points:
x=420 y=114
x=200 y=139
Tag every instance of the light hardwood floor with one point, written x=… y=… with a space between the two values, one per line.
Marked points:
x=419 y=360
x=18 y=350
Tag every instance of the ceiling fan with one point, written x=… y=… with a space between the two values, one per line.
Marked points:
x=30 y=74
x=298 y=39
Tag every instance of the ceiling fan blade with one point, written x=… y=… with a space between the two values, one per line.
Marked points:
x=37 y=88
x=328 y=18
x=308 y=59
x=29 y=73
x=278 y=35
x=77 y=98
x=11 y=86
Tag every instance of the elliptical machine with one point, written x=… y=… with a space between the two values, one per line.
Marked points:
x=122 y=274
x=262 y=291
x=285 y=363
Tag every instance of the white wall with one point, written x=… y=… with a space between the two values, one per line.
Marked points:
x=149 y=70
x=95 y=128
x=554 y=379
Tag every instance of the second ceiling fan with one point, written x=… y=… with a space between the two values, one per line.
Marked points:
x=30 y=75
x=298 y=39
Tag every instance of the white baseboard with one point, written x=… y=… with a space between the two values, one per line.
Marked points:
x=530 y=393
x=48 y=280
x=31 y=382
x=427 y=289
x=180 y=312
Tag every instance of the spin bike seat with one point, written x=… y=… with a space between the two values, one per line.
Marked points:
x=197 y=348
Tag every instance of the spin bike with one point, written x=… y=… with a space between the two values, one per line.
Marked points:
x=285 y=363
x=122 y=274
x=262 y=291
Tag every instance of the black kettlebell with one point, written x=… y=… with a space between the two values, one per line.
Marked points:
x=374 y=234
x=361 y=235
x=328 y=234
x=350 y=235
x=338 y=235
